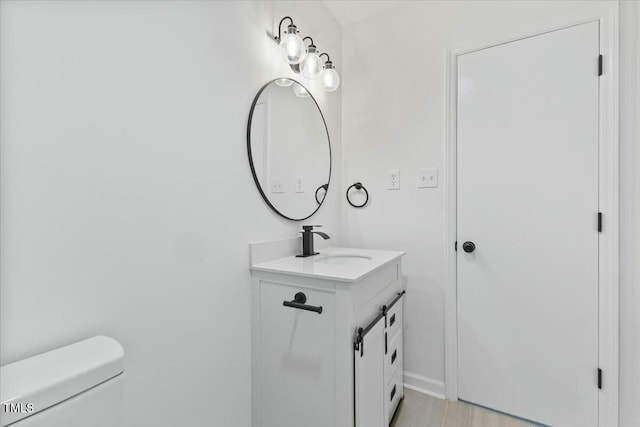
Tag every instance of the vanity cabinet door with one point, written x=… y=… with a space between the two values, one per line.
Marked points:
x=297 y=358
x=369 y=380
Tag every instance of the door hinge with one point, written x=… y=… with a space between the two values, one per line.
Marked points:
x=599 y=222
x=600 y=65
x=599 y=378
x=455 y=246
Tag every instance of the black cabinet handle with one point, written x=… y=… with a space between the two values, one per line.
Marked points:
x=393 y=392
x=393 y=320
x=386 y=346
x=299 y=301
x=393 y=356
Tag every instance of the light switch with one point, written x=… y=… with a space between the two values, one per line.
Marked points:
x=427 y=178
x=299 y=184
x=277 y=186
x=393 y=179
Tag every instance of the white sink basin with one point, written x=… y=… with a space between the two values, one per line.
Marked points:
x=343 y=259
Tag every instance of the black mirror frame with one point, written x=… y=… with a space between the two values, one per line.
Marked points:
x=253 y=170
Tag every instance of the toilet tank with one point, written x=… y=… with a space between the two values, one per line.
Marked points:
x=79 y=385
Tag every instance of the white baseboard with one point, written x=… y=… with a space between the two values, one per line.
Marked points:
x=424 y=385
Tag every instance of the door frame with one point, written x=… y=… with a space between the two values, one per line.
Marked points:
x=607 y=14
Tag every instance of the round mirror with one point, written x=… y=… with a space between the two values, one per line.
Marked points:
x=289 y=149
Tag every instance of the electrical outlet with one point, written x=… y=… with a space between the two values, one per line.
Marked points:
x=393 y=182
x=299 y=184
x=427 y=178
x=277 y=186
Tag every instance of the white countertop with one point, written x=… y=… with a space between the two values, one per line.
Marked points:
x=347 y=271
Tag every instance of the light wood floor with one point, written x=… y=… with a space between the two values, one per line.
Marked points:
x=420 y=410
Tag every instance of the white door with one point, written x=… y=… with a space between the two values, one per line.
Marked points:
x=528 y=199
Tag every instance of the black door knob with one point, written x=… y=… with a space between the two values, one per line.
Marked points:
x=468 y=247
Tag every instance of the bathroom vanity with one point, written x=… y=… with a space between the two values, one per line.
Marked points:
x=327 y=324
x=327 y=336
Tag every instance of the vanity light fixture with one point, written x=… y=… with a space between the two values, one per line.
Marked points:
x=304 y=59
x=293 y=48
x=311 y=65
x=329 y=76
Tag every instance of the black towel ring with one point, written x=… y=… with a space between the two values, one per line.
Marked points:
x=358 y=186
x=326 y=187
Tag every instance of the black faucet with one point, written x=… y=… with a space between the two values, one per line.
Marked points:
x=307 y=240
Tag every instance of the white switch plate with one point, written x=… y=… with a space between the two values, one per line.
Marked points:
x=427 y=178
x=277 y=186
x=299 y=184
x=393 y=179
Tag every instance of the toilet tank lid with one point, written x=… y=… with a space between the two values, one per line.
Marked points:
x=34 y=384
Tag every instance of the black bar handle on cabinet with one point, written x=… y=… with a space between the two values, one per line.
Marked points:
x=299 y=301
x=393 y=356
x=393 y=393
x=392 y=320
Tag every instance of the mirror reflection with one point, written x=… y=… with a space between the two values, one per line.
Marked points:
x=289 y=149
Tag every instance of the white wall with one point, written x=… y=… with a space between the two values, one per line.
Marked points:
x=127 y=201
x=394 y=118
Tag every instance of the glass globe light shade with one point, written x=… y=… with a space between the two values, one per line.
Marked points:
x=329 y=77
x=300 y=91
x=292 y=46
x=311 y=65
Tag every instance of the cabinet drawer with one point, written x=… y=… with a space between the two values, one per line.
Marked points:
x=394 y=391
x=394 y=318
x=393 y=357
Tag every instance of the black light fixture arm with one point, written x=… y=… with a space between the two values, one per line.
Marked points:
x=324 y=53
x=280 y=26
x=312 y=43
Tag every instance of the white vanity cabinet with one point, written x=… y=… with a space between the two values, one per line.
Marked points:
x=306 y=316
